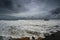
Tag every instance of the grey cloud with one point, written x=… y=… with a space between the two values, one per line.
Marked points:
x=28 y=9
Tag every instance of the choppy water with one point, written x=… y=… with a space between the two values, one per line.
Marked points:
x=22 y=28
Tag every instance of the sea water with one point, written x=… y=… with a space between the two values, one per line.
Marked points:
x=28 y=28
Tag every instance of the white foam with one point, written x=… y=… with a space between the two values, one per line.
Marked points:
x=19 y=28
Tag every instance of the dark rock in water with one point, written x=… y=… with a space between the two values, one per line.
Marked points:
x=27 y=38
x=39 y=38
x=33 y=38
x=4 y=38
x=1 y=38
x=46 y=19
x=23 y=38
x=55 y=36
x=46 y=34
x=56 y=26
x=52 y=32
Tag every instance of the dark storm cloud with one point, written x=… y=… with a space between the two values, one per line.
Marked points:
x=11 y=6
x=25 y=9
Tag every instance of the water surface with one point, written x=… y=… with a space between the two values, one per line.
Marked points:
x=23 y=28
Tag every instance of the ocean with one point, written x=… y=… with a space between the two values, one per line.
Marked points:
x=28 y=28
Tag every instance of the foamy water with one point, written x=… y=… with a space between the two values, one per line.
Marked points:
x=28 y=28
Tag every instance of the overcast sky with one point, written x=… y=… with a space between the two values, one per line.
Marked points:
x=17 y=9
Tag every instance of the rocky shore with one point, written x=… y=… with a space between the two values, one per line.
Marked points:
x=23 y=38
x=55 y=36
x=27 y=38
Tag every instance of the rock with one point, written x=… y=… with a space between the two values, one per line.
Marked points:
x=46 y=19
x=56 y=26
x=1 y=38
x=39 y=38
x=33 y=38
x=5 y=38
x=23 y=38
x=46 y=34
x=55 y=36
x=26 y=38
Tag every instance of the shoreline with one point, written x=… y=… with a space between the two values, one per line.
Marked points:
x=55 y=36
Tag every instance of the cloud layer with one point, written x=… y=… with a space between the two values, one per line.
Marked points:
x=28 y=9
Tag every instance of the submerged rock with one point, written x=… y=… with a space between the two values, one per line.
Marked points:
x=4 y=38
x=56 y=26
x=1 y=38
x=55 y=36
x=46 y=34
x=23 y=38
x=46 y=19
x=33 y=38
x=39 y=38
